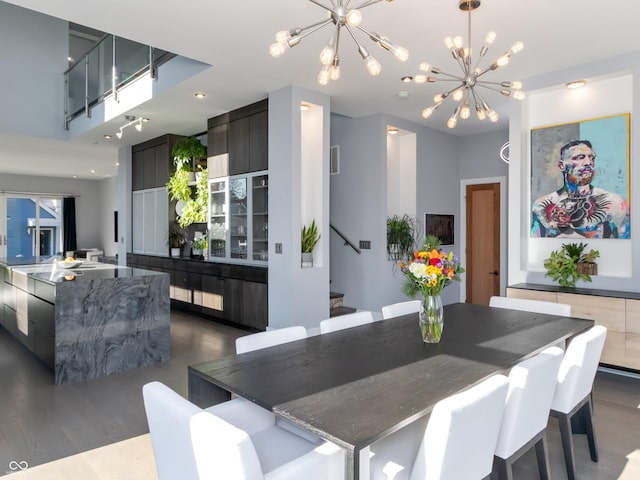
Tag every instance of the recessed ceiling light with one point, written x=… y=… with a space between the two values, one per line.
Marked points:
x=117 y=164
x=304 y=107
x=402 y=95
x=200 y=94
x=145 y=119
x=406 y=79
x=92 y=171
x=576 y=84
x=70 y=59
x=392 y=130
x=75 y=176
x=107 y=136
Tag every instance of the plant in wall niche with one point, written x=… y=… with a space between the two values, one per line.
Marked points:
x=569 y=264
x=309 y=238
x=401 y=231
x=200 y=244
x=176 y=240
x=195 y=206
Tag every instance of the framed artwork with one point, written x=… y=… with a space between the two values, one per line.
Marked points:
x=580 y=179
x=440 y=225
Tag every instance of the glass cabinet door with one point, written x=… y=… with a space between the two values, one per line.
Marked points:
x=260 y=224
x=217 y=217
x=238 y=217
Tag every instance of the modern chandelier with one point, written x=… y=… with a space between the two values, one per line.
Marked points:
x=340 y=15
x=469 y=81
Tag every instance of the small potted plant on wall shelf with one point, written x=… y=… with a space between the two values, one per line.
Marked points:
x=309 y=239
x=176 y=240
x=569 y=264
x=401 y=230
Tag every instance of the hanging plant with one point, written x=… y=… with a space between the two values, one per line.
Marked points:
x=195 y=209
x=178 y=186
x=186 y=151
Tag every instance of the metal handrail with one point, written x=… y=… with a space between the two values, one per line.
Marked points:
x=346 y=240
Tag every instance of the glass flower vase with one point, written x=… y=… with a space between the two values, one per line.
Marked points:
x=431 y=319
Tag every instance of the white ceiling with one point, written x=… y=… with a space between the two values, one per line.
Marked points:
x=234 y=37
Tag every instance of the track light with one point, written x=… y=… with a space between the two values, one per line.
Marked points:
x=137 y=122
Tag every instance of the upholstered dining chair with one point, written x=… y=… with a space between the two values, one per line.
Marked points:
x=573 y=391
x=256 y=341
x=458 y=442
x=349 y=320
x=536 y=306
x=532 y=384
x=235 y=440
x=401 y=308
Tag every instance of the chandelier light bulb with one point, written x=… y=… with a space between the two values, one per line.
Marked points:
x=326 y=55
x=448 y=41
x=519 y=95
x=458 y=94
x=480 y=112
x=458 y=42
x=465 y=112
x=452 y=122
x=323 y=76
x=400 y=53
x=426 y=113
x=425 y=67
x=277 y=49
x=334 y=71
x=420 y=78
x=503 y=60
x=354 y=18
x=516 y=47
x=373 y=66
x=491 y=36
x=516 y=85
x=438 y=98
x=493 y=116
x=282 y=36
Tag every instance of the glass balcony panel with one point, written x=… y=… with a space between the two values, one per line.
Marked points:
x=131 y=59
x=75 y=88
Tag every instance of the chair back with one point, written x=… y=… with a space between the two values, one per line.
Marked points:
x=270 y=338
x=345 y=321
x=536 y=306
x=222 y=450
x=461 y=435
x=531 y=387
x=402 y=308
x=168 y=415
x=578 y=369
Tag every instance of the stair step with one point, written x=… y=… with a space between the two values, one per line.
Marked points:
x=336 y=312
x=335 y=300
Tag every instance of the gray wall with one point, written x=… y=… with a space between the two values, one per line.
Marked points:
x=36 y=82
x=358 y=204
x=479 y=155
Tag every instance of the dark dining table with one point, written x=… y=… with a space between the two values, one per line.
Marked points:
x=358 y=385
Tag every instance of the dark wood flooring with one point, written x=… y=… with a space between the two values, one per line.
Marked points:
x=41 y=422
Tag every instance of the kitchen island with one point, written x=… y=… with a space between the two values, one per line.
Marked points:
x=85 y=322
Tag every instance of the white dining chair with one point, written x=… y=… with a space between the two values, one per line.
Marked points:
x=234 y=440
x=349 y=320
x=532 y=384
x=573 y=391
x=271 y=338
x=401 y=308
x=536 y=306
x=256 y=341
x=457 y=443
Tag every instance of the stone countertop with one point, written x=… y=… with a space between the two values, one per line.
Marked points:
x=86 y=271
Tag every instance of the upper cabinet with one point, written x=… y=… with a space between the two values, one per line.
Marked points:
x=243 y=135
x=151 y=162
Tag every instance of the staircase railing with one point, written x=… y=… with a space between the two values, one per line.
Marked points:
x=346 y=240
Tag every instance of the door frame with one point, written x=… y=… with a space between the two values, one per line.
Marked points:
x=503 y=229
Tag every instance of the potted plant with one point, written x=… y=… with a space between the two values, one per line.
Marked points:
x=401 y=232
x=309 y=239
x=176 y=240
x=200 y=245
x=563 y=265
x=185 y=153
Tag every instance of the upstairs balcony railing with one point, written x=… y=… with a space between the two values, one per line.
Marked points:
x=108 y=67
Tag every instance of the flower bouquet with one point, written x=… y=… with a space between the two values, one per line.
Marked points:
x=428 y=272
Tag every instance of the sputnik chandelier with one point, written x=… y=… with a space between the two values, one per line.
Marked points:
x=469 y=81
x=340 y=15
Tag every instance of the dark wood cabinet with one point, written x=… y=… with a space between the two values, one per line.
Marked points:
x=217 y=140
x=163 y=162
x=137 y=171
x=152 y=163
x=244 y=135
x=149 y=168
x=259 y=141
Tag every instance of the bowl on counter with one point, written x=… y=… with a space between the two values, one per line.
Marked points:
x=67 y=265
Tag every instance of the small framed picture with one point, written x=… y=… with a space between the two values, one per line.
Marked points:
x=440 y=225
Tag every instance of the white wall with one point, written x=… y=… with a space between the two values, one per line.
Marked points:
x=88 y=221
x=550 y=102
x=36 y=83
x=108 y=205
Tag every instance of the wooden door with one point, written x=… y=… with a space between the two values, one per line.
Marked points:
x=483 y=242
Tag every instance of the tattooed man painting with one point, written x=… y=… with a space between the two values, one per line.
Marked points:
x=578 y=208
